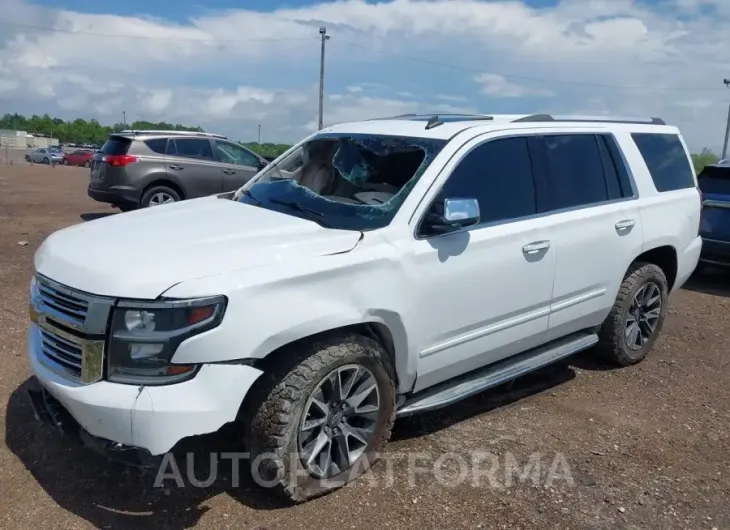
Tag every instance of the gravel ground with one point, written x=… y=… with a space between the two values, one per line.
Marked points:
x=643 y=447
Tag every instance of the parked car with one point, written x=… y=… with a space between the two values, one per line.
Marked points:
x=80 y=157
x=409 y=263
x=714 y=183
x=45 y=156
x=147 y=168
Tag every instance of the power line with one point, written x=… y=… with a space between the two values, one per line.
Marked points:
x=518 y=76
x=147 y=37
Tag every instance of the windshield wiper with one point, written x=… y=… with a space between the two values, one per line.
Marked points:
x=312 y=215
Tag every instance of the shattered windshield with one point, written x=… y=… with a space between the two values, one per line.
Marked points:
x=350 y=182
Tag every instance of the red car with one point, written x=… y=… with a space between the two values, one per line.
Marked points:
x=82 y=157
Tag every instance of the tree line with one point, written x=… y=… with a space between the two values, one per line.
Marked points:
x=81 y=131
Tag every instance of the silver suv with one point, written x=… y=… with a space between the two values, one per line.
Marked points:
x=136 y=169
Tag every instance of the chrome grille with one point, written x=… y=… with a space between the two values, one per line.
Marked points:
x=71 y=329
x=63 y=301
x=62 y=351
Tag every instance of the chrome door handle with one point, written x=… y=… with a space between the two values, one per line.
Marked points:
x=229 y=171
x=625 y=224
x=173 y=166
x=535 y=247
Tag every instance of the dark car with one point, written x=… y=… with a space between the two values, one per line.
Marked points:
x=136 y=169
x=714 y=183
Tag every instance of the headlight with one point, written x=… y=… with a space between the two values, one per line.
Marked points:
x=145 y=335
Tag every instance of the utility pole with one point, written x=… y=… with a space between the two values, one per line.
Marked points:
x=727 y=125
x=325 y=37
x=259 y=134
x=124 y=118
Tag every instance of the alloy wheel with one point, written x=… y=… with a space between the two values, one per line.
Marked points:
x=161 y=198
x=339 y=420
x=643 y=315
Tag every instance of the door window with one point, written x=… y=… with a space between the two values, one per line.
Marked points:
x=196 y=148
x=573 y=171
x=229 y=153
x=497 y=173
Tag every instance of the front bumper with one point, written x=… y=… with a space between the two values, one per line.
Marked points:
x=49 y=410
x=150 y=418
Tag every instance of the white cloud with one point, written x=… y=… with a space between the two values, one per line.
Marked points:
x=498 y=86
x=670 y=59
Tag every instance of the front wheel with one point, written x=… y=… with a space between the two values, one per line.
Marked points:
x=87 y=164
x=27 y=158
x=637 y=316
x=46 y=160
x=322 y=423
x=65 y=161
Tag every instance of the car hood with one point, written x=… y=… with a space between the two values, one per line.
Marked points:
x=143 y=253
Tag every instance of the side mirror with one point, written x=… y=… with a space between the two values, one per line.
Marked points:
x=457 y=213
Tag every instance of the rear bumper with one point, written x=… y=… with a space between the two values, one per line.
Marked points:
x=115 y=196
x=687 y=262
x=715 y=251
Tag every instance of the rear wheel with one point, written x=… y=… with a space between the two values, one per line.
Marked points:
x=159 y=195
x=320 y=424
x=27 y=158
x=637 y=316
x=46 y=160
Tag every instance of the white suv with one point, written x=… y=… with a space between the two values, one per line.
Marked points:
x=377 y=269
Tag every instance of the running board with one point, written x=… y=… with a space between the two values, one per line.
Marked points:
x=467 y=385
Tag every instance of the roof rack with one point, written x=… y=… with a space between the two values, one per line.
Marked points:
x=171 y=133
x=536 y=118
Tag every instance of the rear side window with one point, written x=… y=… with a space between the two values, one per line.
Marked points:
x=158 y=145
x=499 y=175
x=573 y=171
x=666 y=159
x=115 y=145
x=198 y=148
x=714 y=180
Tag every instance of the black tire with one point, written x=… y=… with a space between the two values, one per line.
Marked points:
x=46 y=160
x=612 y=343
x=125 y=208
x=87 y=164
x=157 y=190
x=65 y=161
x=700 y=269
x=275 y=414
x=27 y=158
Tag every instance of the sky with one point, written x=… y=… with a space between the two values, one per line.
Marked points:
x=229 y=65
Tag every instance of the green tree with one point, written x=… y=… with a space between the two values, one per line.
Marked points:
x=704 y=158
x=78 y=131
x=267 y=150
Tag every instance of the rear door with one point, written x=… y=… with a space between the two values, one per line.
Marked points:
x=238 y=165
x=585 y=191
x=714 y=183
x=191 y=161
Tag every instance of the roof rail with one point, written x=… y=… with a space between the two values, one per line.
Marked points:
x=171 y=133
x=535 y=118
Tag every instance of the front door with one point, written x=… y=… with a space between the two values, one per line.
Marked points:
x=483 y=293
x=238 y=164
x=191 y=161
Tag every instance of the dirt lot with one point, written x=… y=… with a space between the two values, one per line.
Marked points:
x=645 y=447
